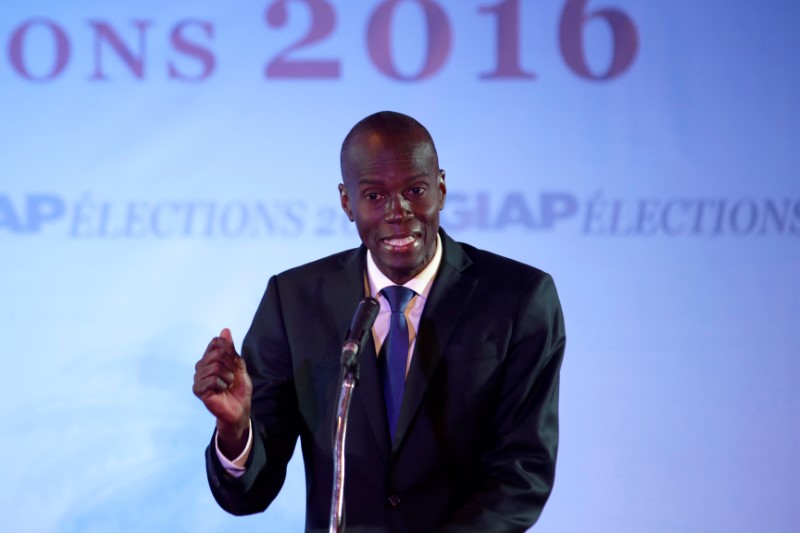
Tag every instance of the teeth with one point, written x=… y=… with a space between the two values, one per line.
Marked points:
x=400 y=242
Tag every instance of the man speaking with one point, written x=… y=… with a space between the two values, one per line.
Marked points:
x=454 y=424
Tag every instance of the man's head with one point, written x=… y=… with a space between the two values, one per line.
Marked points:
x=393 y=190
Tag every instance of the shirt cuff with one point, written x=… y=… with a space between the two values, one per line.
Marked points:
x=236 y=467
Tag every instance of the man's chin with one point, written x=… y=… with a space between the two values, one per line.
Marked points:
x=400 y=270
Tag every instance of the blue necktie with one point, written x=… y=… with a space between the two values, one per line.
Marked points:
x=393 y=360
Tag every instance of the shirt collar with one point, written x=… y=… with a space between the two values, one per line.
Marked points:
x=420 y=284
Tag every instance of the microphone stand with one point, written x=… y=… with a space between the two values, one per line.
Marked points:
x=347 y=383
x=356 y=336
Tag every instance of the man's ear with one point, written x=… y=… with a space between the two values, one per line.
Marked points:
x=345 y=201
x=442 y=188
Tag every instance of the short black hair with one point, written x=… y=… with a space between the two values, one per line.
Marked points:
x=389 y=122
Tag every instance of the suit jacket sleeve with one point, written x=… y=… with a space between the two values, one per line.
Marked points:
x=518 y=468
x=274 y=415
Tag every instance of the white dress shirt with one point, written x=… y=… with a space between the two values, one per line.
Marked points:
x=420 y=284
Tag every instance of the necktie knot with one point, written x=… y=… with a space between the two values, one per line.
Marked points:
x=398 y=297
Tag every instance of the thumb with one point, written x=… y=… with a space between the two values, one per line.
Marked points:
x=225 y=335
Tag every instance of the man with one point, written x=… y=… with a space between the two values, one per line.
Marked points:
x=468 y=441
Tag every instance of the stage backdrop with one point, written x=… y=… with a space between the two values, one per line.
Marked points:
x=160 y=160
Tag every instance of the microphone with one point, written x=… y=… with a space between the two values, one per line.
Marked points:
x=364 y=317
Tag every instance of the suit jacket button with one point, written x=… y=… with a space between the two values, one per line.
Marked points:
x=394 y=500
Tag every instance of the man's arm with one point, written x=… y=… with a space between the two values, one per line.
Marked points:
x=518 y=467
x=273 y=414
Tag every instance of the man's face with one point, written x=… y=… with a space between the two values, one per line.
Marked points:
x=393 y=190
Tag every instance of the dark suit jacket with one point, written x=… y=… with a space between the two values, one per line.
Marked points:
x=476 y=440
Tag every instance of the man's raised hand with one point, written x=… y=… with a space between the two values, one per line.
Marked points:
x=222 y=383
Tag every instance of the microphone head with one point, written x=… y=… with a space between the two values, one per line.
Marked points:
x=363 y=319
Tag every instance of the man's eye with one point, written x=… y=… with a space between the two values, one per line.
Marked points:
x=372 y=196
x=416 y=191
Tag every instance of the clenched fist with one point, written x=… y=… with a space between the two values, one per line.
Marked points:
x=222 y=383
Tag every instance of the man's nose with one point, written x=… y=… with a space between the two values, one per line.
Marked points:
x=398 y=209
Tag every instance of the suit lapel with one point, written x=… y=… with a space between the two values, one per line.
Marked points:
x=446 y=302
x=344 y=290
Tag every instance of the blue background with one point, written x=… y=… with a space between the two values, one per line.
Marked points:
x=681 y=384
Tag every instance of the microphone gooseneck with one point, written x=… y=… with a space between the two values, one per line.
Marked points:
x=356 y=336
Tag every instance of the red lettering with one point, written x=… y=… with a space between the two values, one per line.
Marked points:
x=625 y=36
x=192 y=49
x=379 y=38
x=323 y=22
x=17 y=45
x=507 y=61
x=104 y=32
